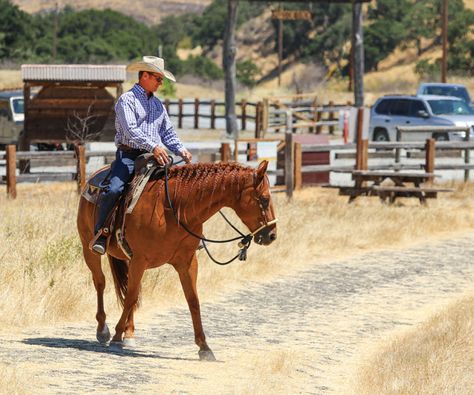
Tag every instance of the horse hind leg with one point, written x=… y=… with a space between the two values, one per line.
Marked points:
x=129 y=288
x=93 y=261
x=188 y=277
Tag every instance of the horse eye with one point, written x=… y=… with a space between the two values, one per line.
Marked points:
x=265 y=202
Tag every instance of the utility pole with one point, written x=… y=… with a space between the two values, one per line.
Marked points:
x=358 y=48
x=230 y=51
x=55 y=33
x=444 y=29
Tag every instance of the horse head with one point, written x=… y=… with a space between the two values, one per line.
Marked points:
x=255 y=207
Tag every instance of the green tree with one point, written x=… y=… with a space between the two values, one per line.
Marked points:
x=247 y=73
x=16 y=32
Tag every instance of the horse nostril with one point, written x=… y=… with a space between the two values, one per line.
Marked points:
x=273 y=237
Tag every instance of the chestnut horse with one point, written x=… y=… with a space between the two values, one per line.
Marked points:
x=196 y=192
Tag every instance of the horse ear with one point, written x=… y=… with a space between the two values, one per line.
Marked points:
x=261 y=170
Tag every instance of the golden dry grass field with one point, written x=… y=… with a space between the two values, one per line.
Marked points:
x=45 y=283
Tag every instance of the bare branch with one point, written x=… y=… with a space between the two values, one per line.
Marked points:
x=78 y=127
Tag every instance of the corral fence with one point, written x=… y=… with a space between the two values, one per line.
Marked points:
x=262 y=117
x=362 y=155
x=307 y=114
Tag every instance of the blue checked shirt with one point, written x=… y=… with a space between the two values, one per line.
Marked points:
x=142 y=122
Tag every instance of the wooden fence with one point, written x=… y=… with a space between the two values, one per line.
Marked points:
x=266 y=116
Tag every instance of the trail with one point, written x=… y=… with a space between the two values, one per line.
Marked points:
x=300 y=334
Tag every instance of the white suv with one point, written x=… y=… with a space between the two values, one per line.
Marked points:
x=388 y=112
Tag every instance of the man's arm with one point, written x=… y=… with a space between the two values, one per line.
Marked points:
x=170 y=139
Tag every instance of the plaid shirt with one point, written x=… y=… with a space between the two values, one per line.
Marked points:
x=142 y=122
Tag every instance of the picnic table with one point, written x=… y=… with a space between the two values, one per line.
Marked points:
x=402 y=184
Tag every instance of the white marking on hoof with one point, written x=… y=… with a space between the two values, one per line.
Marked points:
x=116 y=346
x=103 y=336
x=129 y=342
x=206 y=355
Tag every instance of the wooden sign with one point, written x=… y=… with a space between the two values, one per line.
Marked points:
x=287 y=15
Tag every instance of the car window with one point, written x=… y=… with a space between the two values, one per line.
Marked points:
x=456 y=91
x=383 y=107
x=18 y=106
x=415 y=107
x=449 y=107
x=400 y=107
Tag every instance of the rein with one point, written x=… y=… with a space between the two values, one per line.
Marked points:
x=245 y=240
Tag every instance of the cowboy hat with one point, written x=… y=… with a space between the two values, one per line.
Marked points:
x=153 y=64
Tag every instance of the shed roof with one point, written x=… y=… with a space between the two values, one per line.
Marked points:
x=73 y=72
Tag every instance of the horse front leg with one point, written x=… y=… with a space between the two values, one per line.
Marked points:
x=188 y=277
x=135 y=274
x=93 y=261
x=128 y=339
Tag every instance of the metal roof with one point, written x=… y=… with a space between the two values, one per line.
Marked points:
x=73 y=72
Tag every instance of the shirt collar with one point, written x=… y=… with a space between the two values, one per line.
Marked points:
x=139 y=91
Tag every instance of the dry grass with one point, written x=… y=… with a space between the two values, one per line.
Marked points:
x=15 y=381
x=437 y=357
x=44 y=279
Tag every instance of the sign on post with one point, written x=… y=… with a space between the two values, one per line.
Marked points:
x=292 y=15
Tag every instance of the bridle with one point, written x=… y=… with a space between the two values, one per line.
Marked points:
x=245 y=240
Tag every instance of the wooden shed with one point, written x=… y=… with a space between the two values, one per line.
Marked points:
x=69 y=97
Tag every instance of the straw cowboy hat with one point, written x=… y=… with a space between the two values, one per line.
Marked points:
x=153 y=64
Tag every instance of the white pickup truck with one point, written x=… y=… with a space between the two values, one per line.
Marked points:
x=12 y=116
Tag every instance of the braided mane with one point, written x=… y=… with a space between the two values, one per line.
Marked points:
x=208 y=174
x=194 y=182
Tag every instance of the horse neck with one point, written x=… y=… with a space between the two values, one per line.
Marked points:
x=198 y=200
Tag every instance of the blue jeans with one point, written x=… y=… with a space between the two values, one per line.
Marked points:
x=121 y=173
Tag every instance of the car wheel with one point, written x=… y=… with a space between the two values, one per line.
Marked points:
x=381 y=136
x=441 y=137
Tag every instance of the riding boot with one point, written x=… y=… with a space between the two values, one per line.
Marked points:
x=106 y=203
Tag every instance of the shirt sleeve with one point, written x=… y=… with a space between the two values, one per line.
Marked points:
x=125 y=114
x=168 y=134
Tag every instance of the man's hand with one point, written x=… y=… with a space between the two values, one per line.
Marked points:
x=186 y=155
x=161 y=155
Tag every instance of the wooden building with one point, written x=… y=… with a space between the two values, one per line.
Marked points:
x=70 y=98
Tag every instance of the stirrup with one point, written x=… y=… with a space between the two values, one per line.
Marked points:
x=98 y=244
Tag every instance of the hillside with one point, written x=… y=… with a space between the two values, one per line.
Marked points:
x=147 y=11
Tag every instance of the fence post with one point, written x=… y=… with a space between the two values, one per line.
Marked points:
x=180 y=113
x=196 y=113
x=243 y=106
x=265 y=115
x=360 y=148
x=167 y=105
x=398 y=151
x=258 y=110
x=80 y=150
x=213 y=114
x=289 y=162
x=331 y=116
x=11 y=171
x=467 y=155
x=319 y=114
x=298 y=164
x=225 y=152
x=430 y=157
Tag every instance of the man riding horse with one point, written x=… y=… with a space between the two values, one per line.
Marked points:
x=142 y=126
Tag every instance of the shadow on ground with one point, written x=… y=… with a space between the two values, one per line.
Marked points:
x=93 y=346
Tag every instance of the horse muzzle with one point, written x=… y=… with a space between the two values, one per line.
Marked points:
x=266 y=234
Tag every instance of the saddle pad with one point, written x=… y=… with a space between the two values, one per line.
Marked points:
x=95 y=184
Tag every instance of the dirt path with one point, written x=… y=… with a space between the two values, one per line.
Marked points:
x=296 y=335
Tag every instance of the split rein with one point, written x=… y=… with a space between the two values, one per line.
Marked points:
x=245 y=240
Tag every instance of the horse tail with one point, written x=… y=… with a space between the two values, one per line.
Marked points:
x=119 y=270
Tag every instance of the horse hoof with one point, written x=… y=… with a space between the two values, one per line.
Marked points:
x=206 y=355
x=116 y=346
x=129 y=342
x=103 y=336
